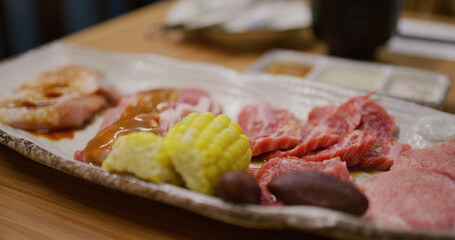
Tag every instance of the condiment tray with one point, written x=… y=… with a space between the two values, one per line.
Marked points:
x=420 y=86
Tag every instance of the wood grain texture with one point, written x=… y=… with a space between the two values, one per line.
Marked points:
x=37 y=202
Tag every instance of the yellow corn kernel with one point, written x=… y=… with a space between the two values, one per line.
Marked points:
x=202 y=147
x=142 y=154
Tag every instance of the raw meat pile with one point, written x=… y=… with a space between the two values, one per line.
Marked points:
x=360 y=132
x=417 y=192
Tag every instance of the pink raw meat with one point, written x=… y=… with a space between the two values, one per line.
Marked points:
x=439 y=157
x=113 y=114
x=313 y=137
x=194 y=96
x=385 y=149
x=276 y=166
x=351 y=148
x=343 y=119
x=411 y=198
x=383 y=163
x=321 y=114
x=269 y=129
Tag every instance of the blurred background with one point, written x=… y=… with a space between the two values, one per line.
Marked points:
x=25 y=24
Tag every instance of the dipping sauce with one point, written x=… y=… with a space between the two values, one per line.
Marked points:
x=55 y=135
x=363 y=79
x=142 y=114
x=289 y=68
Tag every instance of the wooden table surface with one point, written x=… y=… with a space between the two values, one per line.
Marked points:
x=37 y=202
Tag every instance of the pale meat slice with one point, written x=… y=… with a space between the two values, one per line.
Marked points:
x=385 y=149
x=277 y=166
x=189 y=100
x=313 y=137
x=411 y=199
x=351 y=148
x=199 y=97
x=63 y=98
x=268 y=128
x=439 y=157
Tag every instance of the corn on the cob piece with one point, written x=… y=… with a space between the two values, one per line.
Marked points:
x=202 y=147
x=142 y=154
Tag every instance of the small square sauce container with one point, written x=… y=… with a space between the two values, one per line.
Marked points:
x=424 y=87
x=283 y=62
x=357 y=75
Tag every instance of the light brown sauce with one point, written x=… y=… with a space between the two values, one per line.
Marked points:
x=289 y=68
x=142 y=115
x=56 y=135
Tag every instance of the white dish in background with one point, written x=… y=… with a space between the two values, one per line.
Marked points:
x=132 y=72
x=421 y=86
x=240 y=24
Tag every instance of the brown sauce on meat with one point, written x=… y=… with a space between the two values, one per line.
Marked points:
x=141 y=115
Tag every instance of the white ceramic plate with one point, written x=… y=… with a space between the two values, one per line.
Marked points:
x=133 y=72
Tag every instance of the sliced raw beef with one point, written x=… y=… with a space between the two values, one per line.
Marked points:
x=321 y=114
x=276 y=166
x=268 y=128
x=375 y=117
x=60 y=99
x=313 y=137
x=384 y=160
x=439 y=157
x=343 y=119
x=411 y=198
x=385 y=149
x=155 y=111
x=351 y=148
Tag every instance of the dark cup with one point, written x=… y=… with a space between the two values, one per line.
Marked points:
x=355 y=28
